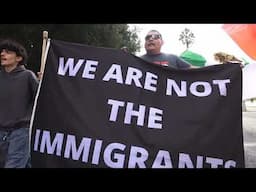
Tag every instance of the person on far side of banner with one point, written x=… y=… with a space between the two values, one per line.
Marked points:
x=223 y=58
x=227 y=58
x=18 y=87
x=153 y=45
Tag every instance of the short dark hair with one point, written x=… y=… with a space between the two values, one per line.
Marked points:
x=153 y=30
x=19 y=49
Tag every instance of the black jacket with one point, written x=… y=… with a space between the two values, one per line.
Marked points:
x=17 y=93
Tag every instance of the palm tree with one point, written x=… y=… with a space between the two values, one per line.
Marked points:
x=187 y=37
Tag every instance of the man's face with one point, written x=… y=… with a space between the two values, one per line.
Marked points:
x=9 y=58
x=153 y=43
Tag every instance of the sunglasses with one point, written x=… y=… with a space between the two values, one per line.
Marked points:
x=153 y=36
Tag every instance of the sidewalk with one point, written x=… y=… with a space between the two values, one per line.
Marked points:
x=249 y=134
x=250 y=108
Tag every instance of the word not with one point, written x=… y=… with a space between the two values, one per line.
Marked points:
x=181 y=90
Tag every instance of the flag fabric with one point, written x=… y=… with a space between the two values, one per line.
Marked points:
x=105 y=108
x=244 y=35
x=193 y=58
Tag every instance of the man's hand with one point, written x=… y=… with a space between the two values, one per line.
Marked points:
x=39 y=75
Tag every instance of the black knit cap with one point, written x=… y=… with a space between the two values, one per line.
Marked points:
x=13 y=45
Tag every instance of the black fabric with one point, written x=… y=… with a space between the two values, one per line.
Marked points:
x=73 y=126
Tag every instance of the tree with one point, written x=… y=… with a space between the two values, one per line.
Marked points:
x=187 y=37
x=100 y=35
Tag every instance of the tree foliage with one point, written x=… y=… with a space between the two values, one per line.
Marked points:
x=100 y=35
x=187 y=37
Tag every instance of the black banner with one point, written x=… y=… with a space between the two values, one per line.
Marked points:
x=104 y=108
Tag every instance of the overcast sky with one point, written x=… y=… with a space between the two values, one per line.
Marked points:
x=209 y=39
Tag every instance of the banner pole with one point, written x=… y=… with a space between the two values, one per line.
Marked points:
x=45 y=37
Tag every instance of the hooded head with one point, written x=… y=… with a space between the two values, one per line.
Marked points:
x=12 y=45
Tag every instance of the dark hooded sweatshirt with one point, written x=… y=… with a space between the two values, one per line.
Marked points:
x=17 y=93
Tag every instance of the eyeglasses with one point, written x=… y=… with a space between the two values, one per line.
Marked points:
x=153 y=36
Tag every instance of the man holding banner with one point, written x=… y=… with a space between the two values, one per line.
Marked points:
x=18 y=89
x=153 y=45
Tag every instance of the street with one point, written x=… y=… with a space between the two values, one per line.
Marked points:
x=249 y=132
